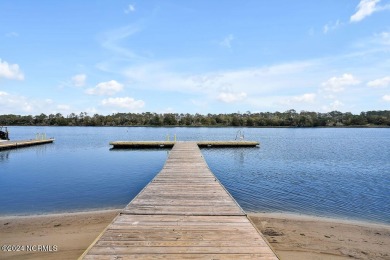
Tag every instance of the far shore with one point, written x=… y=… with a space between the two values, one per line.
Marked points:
x=209 y=126
x=291 y=236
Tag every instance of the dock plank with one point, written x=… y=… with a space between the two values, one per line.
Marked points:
x=168 y=144
x=183 y=256
x=183 y=213
x=5 y=145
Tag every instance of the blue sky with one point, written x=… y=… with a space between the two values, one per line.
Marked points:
x=194 y=56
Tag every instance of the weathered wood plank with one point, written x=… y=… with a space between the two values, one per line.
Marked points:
x=189 y=243
x=189 y=202
x=182 y=256
x=183 y=213
x=182 y=210
x=181 y=219
x=175 y=250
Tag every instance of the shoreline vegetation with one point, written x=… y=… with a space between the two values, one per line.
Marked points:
x=290 y=118
x=291 y=236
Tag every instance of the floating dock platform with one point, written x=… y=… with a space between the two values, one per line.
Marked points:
x=183 y=213
x=23 y=143
x=170 y=144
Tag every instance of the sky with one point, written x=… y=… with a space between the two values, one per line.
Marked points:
x=194 y=56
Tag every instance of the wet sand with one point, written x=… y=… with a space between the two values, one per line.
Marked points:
x=291 y=236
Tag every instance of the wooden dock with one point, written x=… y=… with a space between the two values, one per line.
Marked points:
x=169 y=144
x=183 y=213
x=23 y=143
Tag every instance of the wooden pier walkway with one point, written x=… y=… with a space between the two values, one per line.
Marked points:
x=23 y=143
x=168 y=144
x=183 y=213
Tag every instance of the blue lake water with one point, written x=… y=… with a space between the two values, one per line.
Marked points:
x=341 y=173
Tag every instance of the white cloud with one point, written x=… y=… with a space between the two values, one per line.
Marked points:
x=335 y=105
x=386 y=98
x=15 y=104
x=366 y=8
x=105 y=88
x=263 y=85
x=10 y=71
x=79 y=80
x=305 y=98
x=325 y=30
x=249 y=80
x=375 y=45
x=124 y=102
x=130 y=9
x=331 y=26
x=91 y=110
x=338 y=84
x=227 y=42
x=383 y=38
x=112 y=41
x=229 y=97
x=382 y=82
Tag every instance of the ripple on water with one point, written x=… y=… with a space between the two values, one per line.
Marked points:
x=342 y=173
x=324 y=173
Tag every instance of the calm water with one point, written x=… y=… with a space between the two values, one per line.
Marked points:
x=343 y=173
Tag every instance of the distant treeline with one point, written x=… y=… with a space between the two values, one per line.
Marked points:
x=290 y=118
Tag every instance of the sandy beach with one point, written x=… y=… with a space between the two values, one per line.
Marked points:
x=305 y=237
x=291 y=236
x=71 y=233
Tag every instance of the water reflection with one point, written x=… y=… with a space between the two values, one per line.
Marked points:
x=239 y=155
x=4 y=156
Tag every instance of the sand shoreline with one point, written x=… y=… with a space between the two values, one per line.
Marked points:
x=291 y=236
x=294 y=216
x=308 y=237
x=70 y=233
